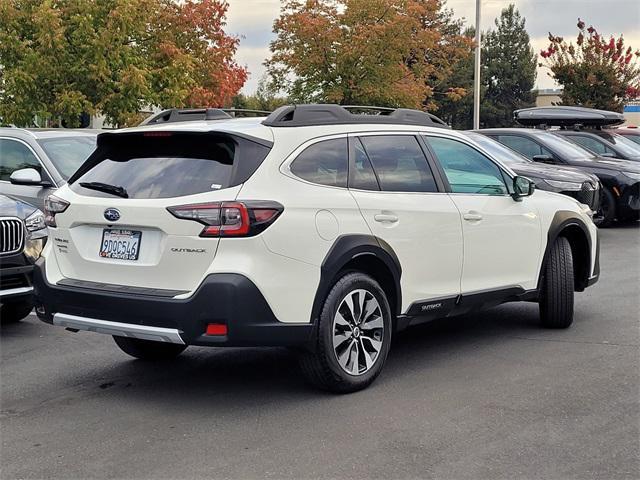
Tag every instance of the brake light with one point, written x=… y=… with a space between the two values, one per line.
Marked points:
x=230 y=219
x=52 y=206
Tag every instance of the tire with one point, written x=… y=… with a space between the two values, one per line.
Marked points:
x=14 y=312
x=556 y=296
x=606 y=213
x=351 y=362
x=149 y=350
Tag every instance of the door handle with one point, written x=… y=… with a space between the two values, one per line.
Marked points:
x=472 y=216
x=385 y=218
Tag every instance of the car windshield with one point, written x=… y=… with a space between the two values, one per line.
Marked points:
x=496 y=149
x=632 y=138
x=625 y=145
x=68 y=153
x=565 y=147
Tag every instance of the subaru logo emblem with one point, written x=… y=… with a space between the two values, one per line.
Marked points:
x=112 y=214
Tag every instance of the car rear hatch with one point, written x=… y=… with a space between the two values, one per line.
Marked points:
x=119 y=229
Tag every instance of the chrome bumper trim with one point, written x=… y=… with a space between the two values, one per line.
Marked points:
x=143 y=332
x=15 y=291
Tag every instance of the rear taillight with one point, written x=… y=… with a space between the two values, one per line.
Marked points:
x=230 y=219
x=52 y=206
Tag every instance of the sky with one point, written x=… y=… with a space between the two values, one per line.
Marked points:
x=252 y=21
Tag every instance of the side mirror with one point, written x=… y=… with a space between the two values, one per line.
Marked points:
x=26 y=176
x=543 y=158
x=608 y=155
x=522 y=187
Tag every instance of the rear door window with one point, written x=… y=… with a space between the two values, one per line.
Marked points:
x=157 y=166
x=399 y=163
x=361 y=174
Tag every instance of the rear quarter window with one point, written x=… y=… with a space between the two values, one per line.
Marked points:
x=156 y=166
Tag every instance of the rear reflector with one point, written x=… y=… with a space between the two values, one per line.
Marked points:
x=217 y=329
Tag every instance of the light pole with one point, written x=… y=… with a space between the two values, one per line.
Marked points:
x=476 y=71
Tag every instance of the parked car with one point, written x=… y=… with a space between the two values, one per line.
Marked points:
x=605 y=143
x=620 y=179
x=630 y=132
x=583 y=126
x=313 y=228
x=571 y=181
x=35 y=162
x=22 y=237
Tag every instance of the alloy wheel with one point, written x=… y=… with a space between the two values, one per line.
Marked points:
x=358 y=332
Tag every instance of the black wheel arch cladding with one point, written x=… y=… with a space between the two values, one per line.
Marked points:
x=568 y=224
x=365 y=253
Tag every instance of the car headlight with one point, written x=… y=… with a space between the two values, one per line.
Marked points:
x=635 y=176
x=570 y=186
x=35 y=221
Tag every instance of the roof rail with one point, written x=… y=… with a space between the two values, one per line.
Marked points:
x=173 y=115
x=245 y=112
x=331 y=114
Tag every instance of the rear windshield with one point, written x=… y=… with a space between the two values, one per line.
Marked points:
x=164 y=165
x=68 y=153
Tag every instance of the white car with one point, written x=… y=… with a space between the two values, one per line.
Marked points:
x=314 y=228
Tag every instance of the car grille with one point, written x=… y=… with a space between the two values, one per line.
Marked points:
x=589 y=195
x=11 y=235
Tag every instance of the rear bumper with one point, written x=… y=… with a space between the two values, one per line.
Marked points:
x=227 y=298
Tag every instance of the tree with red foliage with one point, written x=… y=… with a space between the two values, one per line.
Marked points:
x=596 y=72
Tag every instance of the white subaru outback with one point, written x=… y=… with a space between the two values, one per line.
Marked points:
x=317 y=228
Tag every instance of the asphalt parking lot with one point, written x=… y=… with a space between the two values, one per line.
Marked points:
x=483 y=396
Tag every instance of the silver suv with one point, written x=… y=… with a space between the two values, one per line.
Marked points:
x=35 y=162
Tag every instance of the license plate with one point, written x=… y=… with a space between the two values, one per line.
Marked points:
x=120 y=244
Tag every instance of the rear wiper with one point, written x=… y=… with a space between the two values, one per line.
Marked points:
x=106 y=188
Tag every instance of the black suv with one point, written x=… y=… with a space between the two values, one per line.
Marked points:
x=620 y=179
x=22 y=236
x=570 y=181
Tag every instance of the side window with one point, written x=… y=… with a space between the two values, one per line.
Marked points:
x=467 y=170
x=15 y=155
x=589 y=143
x=361 y=175
x=324 y=162
x=399 y=163
x=523 y=145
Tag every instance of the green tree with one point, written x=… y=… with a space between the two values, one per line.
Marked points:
x=509 y=72
x=265 y=98
x=380 y=52
x=59 y=59
x=595 y=72
x=454 y=95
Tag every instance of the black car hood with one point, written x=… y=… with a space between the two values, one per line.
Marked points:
x=10 y=207
x=608 y=163
x=552 y=172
